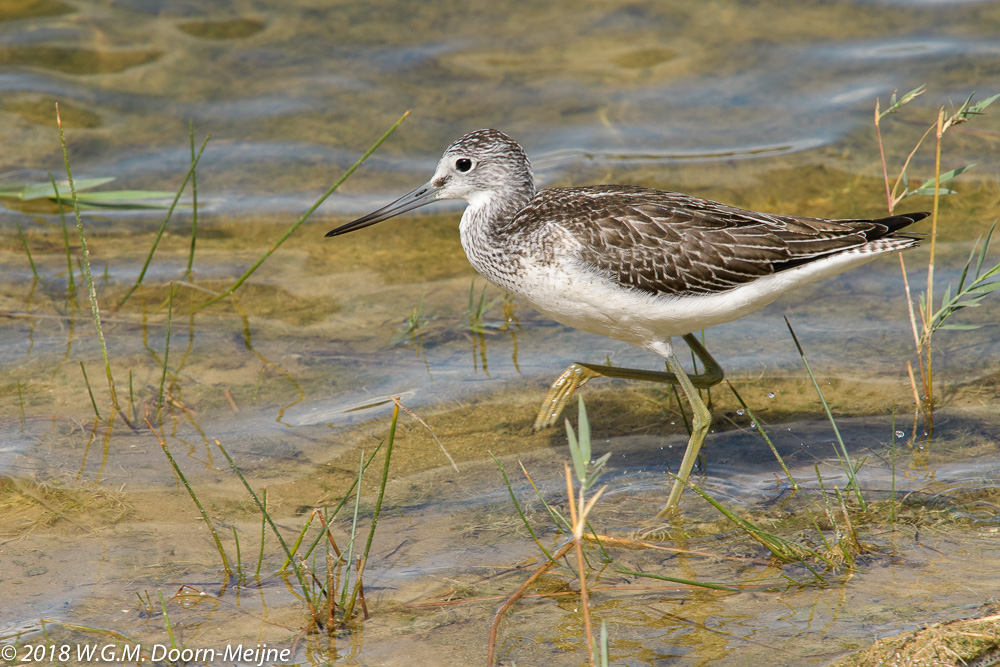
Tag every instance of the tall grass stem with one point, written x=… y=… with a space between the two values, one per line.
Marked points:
x=263 y=532
x=204 y=515
x=166 y=621
x=163 y=225
x=194 y=201
x=305 y=216
x=845 y=459
x=90 y=391
x=94 y=305
x=71 y=281
x=27 y=250
x=274 y=528
x=378 y=505
x=763 y=433
x=166 y=351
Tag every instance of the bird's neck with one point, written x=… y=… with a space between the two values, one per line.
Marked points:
x=486 y=230
x=493 y=211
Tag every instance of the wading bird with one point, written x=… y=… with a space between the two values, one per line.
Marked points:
x=635 y=264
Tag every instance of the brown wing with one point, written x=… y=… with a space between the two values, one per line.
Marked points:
x=665 y=242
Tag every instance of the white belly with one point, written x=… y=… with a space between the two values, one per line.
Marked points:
x=587 y=300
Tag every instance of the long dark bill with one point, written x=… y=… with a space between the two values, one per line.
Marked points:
x=425 y=194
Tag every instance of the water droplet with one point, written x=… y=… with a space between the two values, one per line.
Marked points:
x=900 y=434
x=770 y=394
x=741 y=412
x=753 y=424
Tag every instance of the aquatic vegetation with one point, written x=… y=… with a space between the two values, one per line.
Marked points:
x=189 y=176
x=92 y=291
x=305 y=216
x=587 y=474
x=967 y=641
x=850 y=468
x=326 y=585
x=125 y=200
x=932 y=317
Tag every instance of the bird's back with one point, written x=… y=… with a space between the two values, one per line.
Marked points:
x=671 y=243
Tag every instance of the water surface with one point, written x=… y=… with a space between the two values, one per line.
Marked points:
x=767 y=107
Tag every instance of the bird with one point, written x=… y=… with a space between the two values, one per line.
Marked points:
x=636 y=264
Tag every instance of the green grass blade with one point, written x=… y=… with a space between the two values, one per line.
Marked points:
x=896 y=104
x=71 y=286
x=557 y=518
x=123 y=197
x=239 y=557
x=95 y=307
x=965 y=269
x=892 y=467
x=263 y=532
x=298 y=541
x=340 y=505
x=378 y=509
x=274 y=528
x=517 y=506
x=32 y=191
x=194 y=498
x=927 y=187
x=305 y=216
x=760 y=429
x=166 y=621
x=583 y=423
x=985 y=248
x=779 y=547
x=675 y=580
x=163 y=225
x=575 y=454
x=977 y=108
x=166 y=350
x=90 y=391
x=845 y=459
x=27 y=250
x=194 y=202
x=349 y=549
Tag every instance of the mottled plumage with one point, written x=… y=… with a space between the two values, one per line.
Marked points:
x=676 y=244
x=632 y=263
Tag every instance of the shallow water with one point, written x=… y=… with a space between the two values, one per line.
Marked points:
x=767 y=107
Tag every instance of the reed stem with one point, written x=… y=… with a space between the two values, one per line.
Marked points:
x=305 y=216
x=94 y=305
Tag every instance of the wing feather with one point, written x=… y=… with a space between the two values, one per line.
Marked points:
x=667 y=242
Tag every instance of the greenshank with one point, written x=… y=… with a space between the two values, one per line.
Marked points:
x=632 y=263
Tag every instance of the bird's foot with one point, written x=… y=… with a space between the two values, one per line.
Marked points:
x=575 y=376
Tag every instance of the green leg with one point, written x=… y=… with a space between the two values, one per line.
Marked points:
x=578 y=374
x=701 y=420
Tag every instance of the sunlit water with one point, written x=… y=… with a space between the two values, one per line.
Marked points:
x=768 y=107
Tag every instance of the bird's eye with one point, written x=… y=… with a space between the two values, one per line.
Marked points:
x=463 y=164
